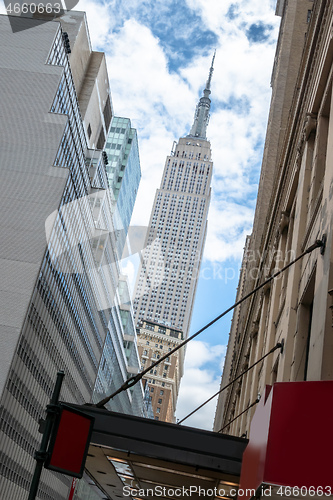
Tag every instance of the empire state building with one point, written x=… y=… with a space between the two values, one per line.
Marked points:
x=169 y=270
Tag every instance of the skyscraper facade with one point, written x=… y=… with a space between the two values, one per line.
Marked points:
x=167 y=280
x=123 y=170
x=60 y=291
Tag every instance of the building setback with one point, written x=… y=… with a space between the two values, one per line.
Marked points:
x=167 y=280
x=60 y=291
x=294 y=209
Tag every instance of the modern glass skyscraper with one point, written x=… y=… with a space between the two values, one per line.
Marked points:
x=123 y=170
x=120 y=355
x=168 y=274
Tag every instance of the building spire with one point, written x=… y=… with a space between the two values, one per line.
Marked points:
x=201 y=116
x=210 y=74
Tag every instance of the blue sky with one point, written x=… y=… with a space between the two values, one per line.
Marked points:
x=158 y=56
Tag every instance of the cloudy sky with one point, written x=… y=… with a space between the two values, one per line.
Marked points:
x=158 y=54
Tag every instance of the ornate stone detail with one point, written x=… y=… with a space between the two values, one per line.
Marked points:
x=310 y=125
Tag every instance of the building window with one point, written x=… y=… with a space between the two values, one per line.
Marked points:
x=101 y=140
x=152 y=389
x=309 y=16
x=158 y=410
x=107 y=113
x=161 y=392
x=160 y=401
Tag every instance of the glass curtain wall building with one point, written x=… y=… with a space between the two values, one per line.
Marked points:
x=120 y=355
x=123 y=170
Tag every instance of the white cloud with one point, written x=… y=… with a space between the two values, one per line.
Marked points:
x=214 y=14
x=128 y=268
x=226 y=235
x=161 y=106
x=203 y=364
x=144 y=90
x=141 y=82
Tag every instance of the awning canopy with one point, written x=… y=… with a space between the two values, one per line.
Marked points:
x=137 y=458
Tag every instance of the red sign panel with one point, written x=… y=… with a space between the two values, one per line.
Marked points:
x=291 y=438
x=70 y=442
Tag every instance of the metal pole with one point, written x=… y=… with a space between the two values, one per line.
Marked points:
x=41 y=454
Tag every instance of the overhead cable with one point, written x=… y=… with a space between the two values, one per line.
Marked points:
x=136 y=378
x=244 y=411
x=279 y=345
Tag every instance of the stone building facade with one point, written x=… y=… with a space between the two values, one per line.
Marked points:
x=294 y=209
x=154 y=341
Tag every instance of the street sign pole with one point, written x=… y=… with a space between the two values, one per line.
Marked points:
x=73 y=488
x=41 y=454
